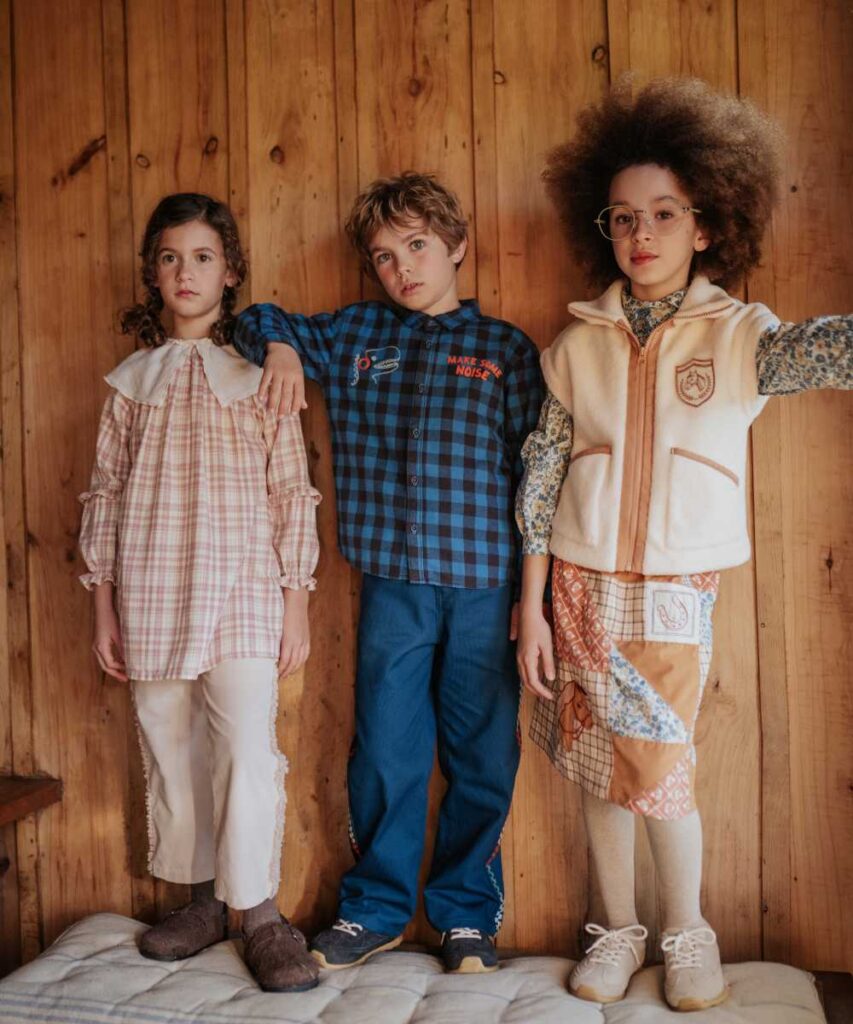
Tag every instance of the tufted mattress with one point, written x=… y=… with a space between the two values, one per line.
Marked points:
x=93 y=974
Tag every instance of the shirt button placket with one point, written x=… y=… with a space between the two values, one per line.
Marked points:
x=415 y=491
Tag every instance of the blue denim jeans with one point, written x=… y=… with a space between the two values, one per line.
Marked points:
x=435 y=665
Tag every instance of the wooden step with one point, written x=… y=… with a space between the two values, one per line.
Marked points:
x=20 y=795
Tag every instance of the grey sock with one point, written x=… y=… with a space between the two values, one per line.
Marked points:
x=263 y=913
x=203 y=894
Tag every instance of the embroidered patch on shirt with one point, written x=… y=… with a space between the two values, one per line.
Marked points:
x=695 y=381
x=671 y=613
x=375 y=363
x=472 y=366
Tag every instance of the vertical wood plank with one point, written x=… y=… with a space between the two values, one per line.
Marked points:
x=794 y=61
x=122 y=273
x=414 y=108
x=65 y=289
x=13 y=621
x=178 y=100
x=301 y=152
x=535 y=102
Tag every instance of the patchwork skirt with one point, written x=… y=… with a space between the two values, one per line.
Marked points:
x=632 y=656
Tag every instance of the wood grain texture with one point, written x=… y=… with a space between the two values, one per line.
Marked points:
x=63 y=254
x=14 y=652
x=287 y=109
x=534 y=104
x=301 y=263
x=795 y=62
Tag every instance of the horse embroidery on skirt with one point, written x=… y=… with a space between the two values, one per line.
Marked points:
x=694 y=381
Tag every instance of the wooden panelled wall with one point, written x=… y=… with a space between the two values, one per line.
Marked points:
x=287 y=107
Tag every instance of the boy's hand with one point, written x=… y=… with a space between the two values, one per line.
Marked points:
x=535 y=649
x=283 y=383
x=296 y=637
x=107 y=643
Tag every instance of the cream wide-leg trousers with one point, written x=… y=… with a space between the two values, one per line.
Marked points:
x=215 y=778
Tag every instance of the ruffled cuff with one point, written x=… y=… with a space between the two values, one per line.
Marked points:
x=90 y=580
x=536 y=544
x=297 y=580
x=287 y=494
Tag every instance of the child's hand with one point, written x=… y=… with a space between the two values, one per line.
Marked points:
x=283 y=383
x=296 y=637
x=535 y=647
x=107 y=644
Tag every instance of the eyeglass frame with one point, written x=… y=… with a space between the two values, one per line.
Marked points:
x=634 y=213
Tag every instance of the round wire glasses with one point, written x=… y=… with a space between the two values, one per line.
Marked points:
x=619 y=222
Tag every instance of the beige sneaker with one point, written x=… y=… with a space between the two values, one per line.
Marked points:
x=693 y=976
x=610 y=963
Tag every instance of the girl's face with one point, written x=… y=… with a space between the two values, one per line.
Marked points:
x=191 y=274
x=655 y=264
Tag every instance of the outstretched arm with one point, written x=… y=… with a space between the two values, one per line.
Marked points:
x=817 y=353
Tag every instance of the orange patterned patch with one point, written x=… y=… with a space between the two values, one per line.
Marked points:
x=580 y=636
x=669 y=799
x=709 y=582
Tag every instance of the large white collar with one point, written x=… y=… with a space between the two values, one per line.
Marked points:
x=146 y=375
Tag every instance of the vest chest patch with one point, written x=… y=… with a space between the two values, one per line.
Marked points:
x=695 y=381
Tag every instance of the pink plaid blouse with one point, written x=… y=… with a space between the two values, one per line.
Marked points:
x=200 y=509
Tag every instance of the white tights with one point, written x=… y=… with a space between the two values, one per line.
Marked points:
x=677 y=851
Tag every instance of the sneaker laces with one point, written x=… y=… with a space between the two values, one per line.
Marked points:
x=350 y=927
x=613 y=942
x=465 y=933
x=684 y=946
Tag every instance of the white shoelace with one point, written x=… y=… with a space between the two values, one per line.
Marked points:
x=612 y=942
x=350 y=927
x=684 y=947
x=465 y=933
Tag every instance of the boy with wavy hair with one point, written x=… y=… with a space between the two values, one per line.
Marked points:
x=429 y=402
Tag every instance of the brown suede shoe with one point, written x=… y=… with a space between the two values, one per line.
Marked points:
x=184 y=932
x=278 y=957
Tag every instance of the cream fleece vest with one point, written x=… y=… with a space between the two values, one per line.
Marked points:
x=656 y=483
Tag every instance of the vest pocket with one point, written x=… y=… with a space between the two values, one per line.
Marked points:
x=705 y=502
x=580 y=503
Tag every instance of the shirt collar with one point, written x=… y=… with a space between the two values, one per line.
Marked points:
x=465 y=314
x=145 y=376
x=703 y=299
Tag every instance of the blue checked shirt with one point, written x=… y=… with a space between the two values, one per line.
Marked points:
x=428 y=418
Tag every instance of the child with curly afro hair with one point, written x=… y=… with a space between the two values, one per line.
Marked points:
x=634 y=487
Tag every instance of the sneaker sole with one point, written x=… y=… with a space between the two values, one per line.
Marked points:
x=591 y=996
x=472 y=965
x=689 y=1005
x=323 y=962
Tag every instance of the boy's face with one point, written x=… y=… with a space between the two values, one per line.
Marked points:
x=656 y=264
x=415 y=268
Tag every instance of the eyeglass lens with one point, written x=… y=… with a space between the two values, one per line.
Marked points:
x=620 y=221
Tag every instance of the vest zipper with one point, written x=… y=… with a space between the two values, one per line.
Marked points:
x=641 y=467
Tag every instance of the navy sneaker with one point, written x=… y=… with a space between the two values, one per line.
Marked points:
x=347 y=944
x=468 y=951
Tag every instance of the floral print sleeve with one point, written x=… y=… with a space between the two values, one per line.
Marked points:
x=545 y=455
x=817 y=353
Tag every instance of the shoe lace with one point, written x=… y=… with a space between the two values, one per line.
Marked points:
x=613 y=942
x=465 y=933
x=350 y=927
x=684 y=946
